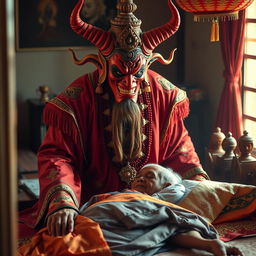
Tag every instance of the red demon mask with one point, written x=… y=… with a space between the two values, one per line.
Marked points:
x=125 y=53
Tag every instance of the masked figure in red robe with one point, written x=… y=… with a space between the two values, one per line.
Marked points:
x=107 y=124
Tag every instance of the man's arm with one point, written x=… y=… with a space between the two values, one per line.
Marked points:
x=60 y=182
x=178 y=152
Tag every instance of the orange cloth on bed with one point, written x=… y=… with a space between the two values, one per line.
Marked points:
x=86 y=240
x=230 y=207
x=220 y=202
x=241 y=205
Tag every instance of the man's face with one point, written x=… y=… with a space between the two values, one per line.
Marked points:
x=148 y=181
x=125 y=76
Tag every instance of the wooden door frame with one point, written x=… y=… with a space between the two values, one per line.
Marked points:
x=8 y=128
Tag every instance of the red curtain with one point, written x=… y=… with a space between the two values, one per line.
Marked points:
x=229 y=115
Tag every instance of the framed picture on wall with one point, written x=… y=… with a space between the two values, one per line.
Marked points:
x=44 y=24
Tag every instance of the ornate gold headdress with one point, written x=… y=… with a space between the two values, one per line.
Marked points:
x=125 y=32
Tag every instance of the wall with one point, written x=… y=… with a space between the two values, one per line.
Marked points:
x=203 y=63
x=52 y=68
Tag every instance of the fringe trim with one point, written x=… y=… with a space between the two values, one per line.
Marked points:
x=62 y=120
x=221 y=16
x=180 y=110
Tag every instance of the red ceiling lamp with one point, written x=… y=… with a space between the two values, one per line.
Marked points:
x=214 y=11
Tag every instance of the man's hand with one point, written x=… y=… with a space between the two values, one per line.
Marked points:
x=61 y=222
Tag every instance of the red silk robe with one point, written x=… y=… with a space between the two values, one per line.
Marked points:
x=76 y=158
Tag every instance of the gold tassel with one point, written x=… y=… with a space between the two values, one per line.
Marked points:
x=215 y=31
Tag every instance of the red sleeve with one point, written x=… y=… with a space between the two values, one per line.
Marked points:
x=58 y=172
x=177 y=151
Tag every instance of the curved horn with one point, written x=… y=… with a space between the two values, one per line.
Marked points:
x=97 y=36
x=158 y=57
x=151 y=39
x=98 y=60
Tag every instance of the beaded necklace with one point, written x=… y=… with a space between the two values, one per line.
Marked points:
x=128 y=169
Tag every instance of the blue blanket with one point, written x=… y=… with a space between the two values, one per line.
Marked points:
x=137 y=224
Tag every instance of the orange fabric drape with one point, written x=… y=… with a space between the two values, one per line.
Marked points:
x=229 y=116
x=86 y=240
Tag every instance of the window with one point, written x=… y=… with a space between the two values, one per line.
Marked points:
x=249 y=72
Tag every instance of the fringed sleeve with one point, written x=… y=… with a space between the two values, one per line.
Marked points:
x=60 y=182
x=179 y=110
x=59 y=115
x=59 y=160
x=177 y=150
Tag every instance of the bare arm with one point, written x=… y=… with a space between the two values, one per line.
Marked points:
x=193 y=239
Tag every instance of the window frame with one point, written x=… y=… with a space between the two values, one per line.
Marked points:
x=246 y=88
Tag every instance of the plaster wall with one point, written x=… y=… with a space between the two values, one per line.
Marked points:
x=203 y=63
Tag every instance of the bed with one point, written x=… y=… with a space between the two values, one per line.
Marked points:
x=230 y=207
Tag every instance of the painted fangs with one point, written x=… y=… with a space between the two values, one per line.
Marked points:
x=124 y=91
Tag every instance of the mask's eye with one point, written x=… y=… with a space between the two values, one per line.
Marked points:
x=140 y=73
x=116 y=72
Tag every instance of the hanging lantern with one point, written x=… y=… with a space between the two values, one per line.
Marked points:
x=214 y=11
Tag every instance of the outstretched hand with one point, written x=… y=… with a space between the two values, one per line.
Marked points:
x=61 y=222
